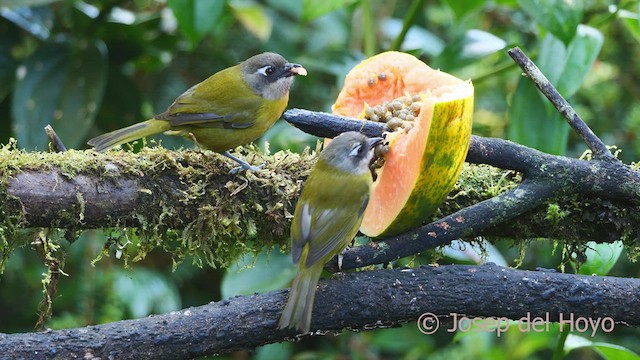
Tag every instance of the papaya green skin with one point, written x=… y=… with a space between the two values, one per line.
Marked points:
x=441 y=164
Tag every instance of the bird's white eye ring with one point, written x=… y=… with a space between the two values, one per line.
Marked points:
x=355 y=150
x=266 y=70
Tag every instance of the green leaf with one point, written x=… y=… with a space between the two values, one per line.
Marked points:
x=601 y=257
x=312 y=9
x=24 y=3
x=559 y=17
x=62 y=85
x=631 y=22
x=534 y=122
x=417 y=37
x=473 y=45
x=462 y=8
x=145 y=291
x=281 y=350
x=122 y=102
x=292 y=8
x=7 y=67
x=484 y=252
x=196 y=17
x=606 y=350
x=254 y=18
x=269 y=272
x=552 y=58
x=567 y=67
x=37 y=21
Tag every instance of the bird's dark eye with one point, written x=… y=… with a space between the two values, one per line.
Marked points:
x=266 y=70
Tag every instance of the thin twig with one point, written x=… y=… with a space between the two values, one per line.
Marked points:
x=594 y=143
x=56 y=143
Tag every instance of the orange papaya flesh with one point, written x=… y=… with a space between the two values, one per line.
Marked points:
x=424 y=160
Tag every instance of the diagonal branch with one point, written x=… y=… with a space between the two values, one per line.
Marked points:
x=465 y=223
x=594 y=143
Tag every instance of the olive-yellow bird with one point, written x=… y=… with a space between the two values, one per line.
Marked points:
x=232 y=107
x=327 y=217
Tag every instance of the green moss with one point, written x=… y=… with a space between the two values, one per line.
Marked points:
x=476 y=183
x=228 y=225
x=227 y=219
x=555 y=213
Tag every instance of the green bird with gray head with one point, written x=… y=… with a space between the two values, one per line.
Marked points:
x=232 y=107
x=327 y=217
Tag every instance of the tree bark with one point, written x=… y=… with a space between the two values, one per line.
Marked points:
x=161 y=191
x=357 y=301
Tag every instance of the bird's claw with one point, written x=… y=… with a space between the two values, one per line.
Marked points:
x=236 y=170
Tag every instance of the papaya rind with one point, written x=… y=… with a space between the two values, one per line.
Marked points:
x=441 y=164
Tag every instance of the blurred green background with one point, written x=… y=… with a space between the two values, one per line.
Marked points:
x=88 y=67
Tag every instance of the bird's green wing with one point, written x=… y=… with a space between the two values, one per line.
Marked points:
x=326 y=231
x=218 y=101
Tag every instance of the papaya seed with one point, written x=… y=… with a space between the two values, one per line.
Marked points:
x=389 y=105
x=394 y=124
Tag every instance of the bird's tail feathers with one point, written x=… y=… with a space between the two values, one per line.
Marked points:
x=136 y=131
x=297 y=312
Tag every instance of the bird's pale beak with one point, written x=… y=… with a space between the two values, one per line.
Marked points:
x=374 y=141
x=295 y=69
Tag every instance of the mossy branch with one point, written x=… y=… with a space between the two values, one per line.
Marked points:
x=189 y=197
x=186 y=197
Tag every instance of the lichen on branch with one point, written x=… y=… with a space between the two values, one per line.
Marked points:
x=184 y=202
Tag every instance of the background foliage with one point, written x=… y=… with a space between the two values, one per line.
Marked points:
x=88 y=67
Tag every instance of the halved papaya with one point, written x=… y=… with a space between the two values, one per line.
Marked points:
x=424 y=159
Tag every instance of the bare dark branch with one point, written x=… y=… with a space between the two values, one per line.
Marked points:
x=530 y=69
x=375 y=299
